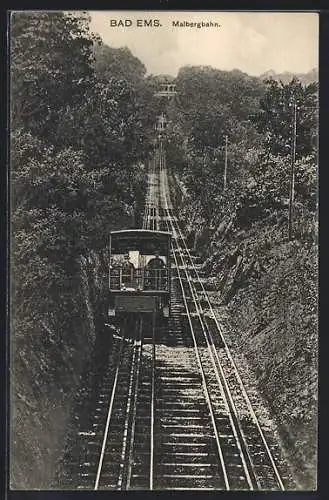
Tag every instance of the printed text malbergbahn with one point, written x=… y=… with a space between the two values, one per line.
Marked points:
x=191 y=24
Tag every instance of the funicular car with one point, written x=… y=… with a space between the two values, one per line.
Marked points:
x=139 y=272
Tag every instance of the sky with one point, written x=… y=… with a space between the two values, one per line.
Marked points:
x=253 y=42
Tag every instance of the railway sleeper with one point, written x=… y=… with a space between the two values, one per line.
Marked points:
x=238 y=482
x=110 y=470
x=183 y=379
x=260 y=460
x=143 y=402
x=182 y=438
x=195 y=429
x=142 y=428
x=141 y=457
x=167 y=481
x=116 y=428
x=113 y=446
x=138 y=482
x=183 y=394
x=143 y=412
x=145 y=418
x=181 y=412
x=172 y=419
x=112 y=456
x=186 y=402
x=141 y=470
x=141 y=438
x=190 y=457
x=142 y=447
x=195 y=469
x=108 y=484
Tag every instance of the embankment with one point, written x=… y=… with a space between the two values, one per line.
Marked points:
x=49 y=352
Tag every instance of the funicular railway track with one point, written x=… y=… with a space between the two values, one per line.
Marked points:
x=151 y=218
x=173 y=412
x=117 y=450
x=247 y=460
x=118 y=453
x=126 y=458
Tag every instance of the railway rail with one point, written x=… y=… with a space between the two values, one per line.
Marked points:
x=173 y=412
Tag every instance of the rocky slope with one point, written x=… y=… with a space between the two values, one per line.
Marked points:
x=46 y=367
x=267 y=288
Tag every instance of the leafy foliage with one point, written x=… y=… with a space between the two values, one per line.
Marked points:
x=275 y=119
x=257 y=118
x=50 y=66
x=118 y=63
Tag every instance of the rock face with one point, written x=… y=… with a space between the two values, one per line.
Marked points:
x=275 y=317
x=46 y=366
x=268 y=288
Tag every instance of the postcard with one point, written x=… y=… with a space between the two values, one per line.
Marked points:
x=163 y=250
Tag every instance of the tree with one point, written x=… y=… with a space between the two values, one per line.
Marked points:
x=275 y=119
x=118 y=63
x=51 y=63
x=212 y=104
